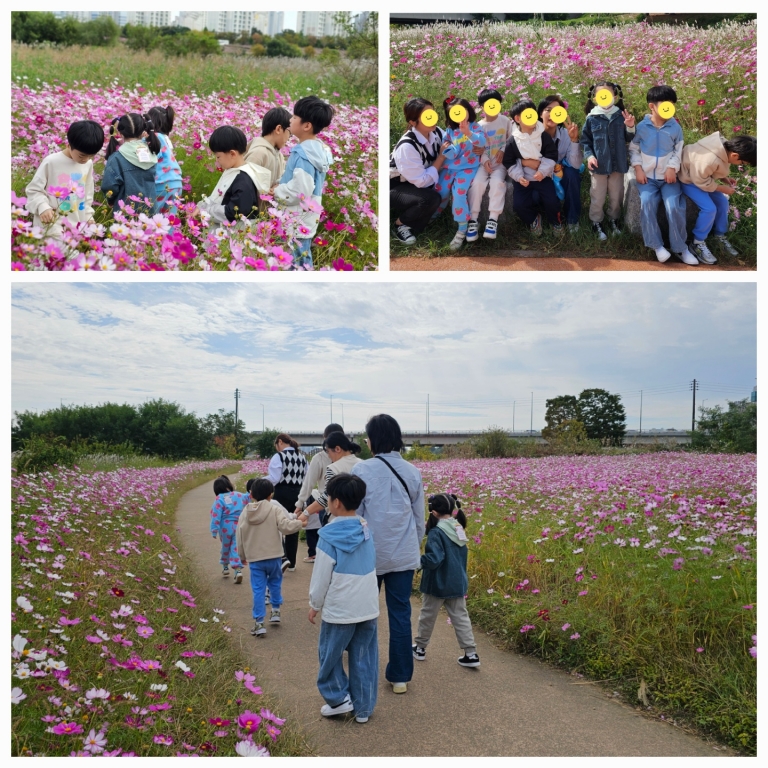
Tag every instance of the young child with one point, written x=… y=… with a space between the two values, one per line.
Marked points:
x=224 y=516
x=444 y=578
x=345 y=589
x=259 y=541
x=265 y=151
x=167 y=171
x=237 y=192
x=704 y=164
x=530 y=157
x=655 y=153
x=71 y=170
x=305 y=172
x=607 y=131
x=130 y=169
x=491 y=173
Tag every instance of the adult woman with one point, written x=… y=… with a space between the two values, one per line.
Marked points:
x=414 y=167
x=287 y=469
x=394 y=510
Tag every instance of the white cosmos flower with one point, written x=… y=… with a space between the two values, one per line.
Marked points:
x=249 y=749
x=182 y=666
x=24 y=604
x=17 y=695
x=19 y=643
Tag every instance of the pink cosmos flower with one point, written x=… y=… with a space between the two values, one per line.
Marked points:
x=64 y=729
x=249 y=721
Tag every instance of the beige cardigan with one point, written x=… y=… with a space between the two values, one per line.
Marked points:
x=260 y=531
x=703 y=162
x=261 y=152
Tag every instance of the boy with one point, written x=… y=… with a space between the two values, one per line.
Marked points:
x=265 y=151
x=225 y=513
x=345 y=588
x=655 y=153
x=71 y=171
x=491 y=173
x=703 y=163
x=237 y=193
x=530 y=157
x=301 y=186
x=260 y=529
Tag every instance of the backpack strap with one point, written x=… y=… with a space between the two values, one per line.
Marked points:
x=395 y=473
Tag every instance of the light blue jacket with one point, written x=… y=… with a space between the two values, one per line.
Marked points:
x=657 y=149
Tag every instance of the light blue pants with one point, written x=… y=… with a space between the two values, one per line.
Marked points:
x=229 y=554
x=266 y=573
x=713 y=211
x=360 y=641
x=653 y=191
x=302 y=253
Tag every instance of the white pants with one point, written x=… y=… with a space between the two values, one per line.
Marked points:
x=497 y=193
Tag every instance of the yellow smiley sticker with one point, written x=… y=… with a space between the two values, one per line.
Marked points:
x=667 y=109
x=529 y=116
x=492 y=107
x=604 y=98
x=429 y=117
x=558 y=115
x=457 y=113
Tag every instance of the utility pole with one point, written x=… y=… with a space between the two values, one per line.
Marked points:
x=342 y=415
x=331 y=409
x=513 y=417
x=427 y=412
x=531 y=415
x=641 y=411
x=263 y=428
x=237 y=398
x=694 y=387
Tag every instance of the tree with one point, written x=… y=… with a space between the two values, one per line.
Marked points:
x=102 y=31
x=493 y=443
x=166 y=429
x=560 y=409
x=141 y=38
x=731 y=431
x=281 y=47
x=361 y=42
x=603 y=416
x=264 y=444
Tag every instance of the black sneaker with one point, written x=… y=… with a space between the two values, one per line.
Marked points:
x=285 y=566
x=470 y=660
x=404 y=235
x=615 y=228
x=419 y=653
x=599 y=231
x=536 y=228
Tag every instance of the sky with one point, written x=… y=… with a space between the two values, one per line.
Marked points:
x=476 y=350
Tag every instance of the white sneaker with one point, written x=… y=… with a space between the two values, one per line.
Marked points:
x=490 y=229
x=472 y=231
x=328 y=711
x=238 y=577
x=573 y=227
x=458 y=241
x=361 y=719
x=404 y=234
x=662 y=254
x=697 y=254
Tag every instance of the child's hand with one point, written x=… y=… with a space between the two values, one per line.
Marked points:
x=629 y=120
x=487 y=166
x=499 y=157
x=464 y=127
x=214 y=535
x=48 y=216
x=524 y=182
x=478 y=151
x=640 y=175
x=573 y=131
x=726 y=190
x=538 y=176
x=592 y=163
x=312 y=614
x=670 y=176
x=731 y=182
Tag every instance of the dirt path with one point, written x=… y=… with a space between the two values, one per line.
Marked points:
x=511 y=705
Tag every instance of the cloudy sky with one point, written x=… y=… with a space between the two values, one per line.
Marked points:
x=478 y=350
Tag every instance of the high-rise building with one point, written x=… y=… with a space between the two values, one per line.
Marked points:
x=194 y=20
x=269 y=23
x=149 y=18
x=317 y=23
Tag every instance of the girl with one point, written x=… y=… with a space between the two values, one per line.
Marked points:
x=607 y=131
x=444 y=577
x=461 y=165
x=167 y=170
x=130 y=169
x=224 y=516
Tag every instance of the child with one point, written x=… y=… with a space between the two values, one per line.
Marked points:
x=607 y=131
x=237 y=192
x=130 y=169
x=530 y=157
x=71 y=170
x=304 y=177
x=167 y=170
x=345 y=588
x=655 y=154
x=444 y=577
x=703 y=164
x=224 y=516
x=498 y=129
x=265 y=151
x=260 y=544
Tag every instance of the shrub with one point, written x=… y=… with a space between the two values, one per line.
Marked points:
x=41 y=452
x=418 y=452
x=493 y=444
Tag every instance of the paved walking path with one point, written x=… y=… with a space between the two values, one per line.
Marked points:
x=511 y=705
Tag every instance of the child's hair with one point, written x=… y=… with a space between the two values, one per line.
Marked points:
x=547 y=100
x=617 y=92
x=312 y=109
x=660 y=93
x=249 y=484
x=488 y=93
x=86 y=136
x=452 y=101
x=262 y=489
x=222 y=484
x=276 y=116
x=745 y=147
x=226 y=138
x=132 y=126
x=347 y=489
x=340 y=440
x=384 y=434
x=162 y=118
x=519 y=107
x=414 y=107
x=445 y=504
x=287 y=439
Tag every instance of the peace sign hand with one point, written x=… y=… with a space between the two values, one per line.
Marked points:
x=629 y=120
x=573 y=130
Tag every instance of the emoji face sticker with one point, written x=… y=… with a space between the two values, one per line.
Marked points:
x=667 y=109
x=529 y=116
x=429 y=117
x=457 y=113
x=558 y=114
x=604 y=98
x=492 y=107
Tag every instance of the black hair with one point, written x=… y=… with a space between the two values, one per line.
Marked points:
x=262 y=489
x=745 y=147
x=312 y=109
x=249 y=484
x=488 y=93
x=617 y=92
x=222 y=484
x=162 y=118
x=332 y=428
x=546 y=101
x=132 y=126
x=384 y=434
x=86 y=136
x=452 y=101
x=287 y=439
x=660 y=93
x=226 y=138
x=276 y=116
x=445 y=504
x=348 y=489
x=519 y=107
x=414 y=107
x=340 y=440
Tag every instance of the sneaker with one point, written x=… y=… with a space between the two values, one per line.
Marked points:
x=309 y=559
x=702 y=253
x=490 y=229
x=225 y=572
x=274 y=617
x=536 y=228
x=259 y=629
x=266 y=597
x=419 y=653
x=399 y=687
x=472 y=234
x=328 y=711
x=615 y=228
x=470 y=660
x=238 y=577
x=458 y=241
x=725 y=245
x=558 y=228
x=285 y=566
x=688 y=258
x=599 y=231
x=662 y=254
x=404 y=235
x=361 y=719
x=573 y=227
x=290 y=568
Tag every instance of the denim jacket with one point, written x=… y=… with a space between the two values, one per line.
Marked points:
x=122 y=180
x=606 y=138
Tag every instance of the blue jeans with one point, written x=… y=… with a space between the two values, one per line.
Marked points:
x=397 y=591
x=572 y=187
x=266 y=573
x=302 y=253
x=674 y=204
x=361 y=643
x=713 y=211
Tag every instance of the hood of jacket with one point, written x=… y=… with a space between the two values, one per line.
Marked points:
x=529 y=144
x=448 y=527
x=259 y=175
x=130 y=151
x=345 y=533
x=256 y=512
x=714 y=143
x=317 y=154
x=647 y=122
x=261 y=142
x=598 y=111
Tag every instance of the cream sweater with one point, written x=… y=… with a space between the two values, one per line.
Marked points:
x=260 y=531
x=261 y=152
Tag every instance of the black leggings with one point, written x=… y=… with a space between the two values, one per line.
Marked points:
x=414 y=206
x=527 y=201
x=287 y=495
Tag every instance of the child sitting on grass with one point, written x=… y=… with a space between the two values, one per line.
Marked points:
x=224 y=516
x=265 y=151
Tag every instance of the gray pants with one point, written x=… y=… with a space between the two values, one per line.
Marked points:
x=457 y=610
x=600 y=185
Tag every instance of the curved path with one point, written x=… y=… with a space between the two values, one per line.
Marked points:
x=511 y=705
